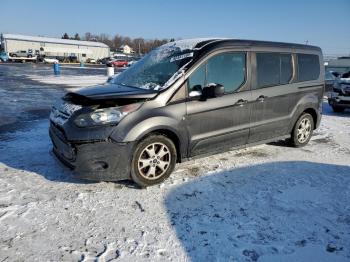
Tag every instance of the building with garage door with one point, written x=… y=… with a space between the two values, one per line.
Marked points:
x=61 y=49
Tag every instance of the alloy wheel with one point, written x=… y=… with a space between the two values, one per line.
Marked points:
x=304 y=130
x=154 y=161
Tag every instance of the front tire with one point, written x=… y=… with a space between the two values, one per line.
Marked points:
x=153 y=160
x=302 y=131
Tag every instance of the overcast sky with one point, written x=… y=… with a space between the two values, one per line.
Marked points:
x=320 y=22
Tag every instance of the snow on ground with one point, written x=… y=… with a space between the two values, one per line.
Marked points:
x=70 y=80
x=265 y=203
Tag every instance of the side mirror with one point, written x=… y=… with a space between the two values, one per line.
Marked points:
x=213 y=90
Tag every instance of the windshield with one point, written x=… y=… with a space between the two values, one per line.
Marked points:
x=156 y=68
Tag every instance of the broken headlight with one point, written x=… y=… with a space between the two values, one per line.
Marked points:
x=105 y=116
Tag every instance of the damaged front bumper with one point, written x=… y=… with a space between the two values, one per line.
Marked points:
x=99 y=160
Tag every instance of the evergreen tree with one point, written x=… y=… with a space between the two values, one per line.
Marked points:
x=76 y=36
x=65 y=36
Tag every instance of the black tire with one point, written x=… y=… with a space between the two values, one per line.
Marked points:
x=338 y=109
x=30 y=56
x=14 y=55
x=298 y=138
x=141 y=154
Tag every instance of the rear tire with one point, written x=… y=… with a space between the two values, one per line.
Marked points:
x=302 y=131
x=338 y=109
x=153 y=160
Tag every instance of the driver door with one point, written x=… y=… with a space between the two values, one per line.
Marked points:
x=219 y=123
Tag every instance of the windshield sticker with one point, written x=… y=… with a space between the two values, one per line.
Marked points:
x=180 y=57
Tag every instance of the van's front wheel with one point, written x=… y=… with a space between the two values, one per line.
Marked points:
x=153 y=161
x=302 y=130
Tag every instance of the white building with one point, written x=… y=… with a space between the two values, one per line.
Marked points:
x=125 y=49
x=54 y=47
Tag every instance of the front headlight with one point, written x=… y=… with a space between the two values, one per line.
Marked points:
x=104 y=116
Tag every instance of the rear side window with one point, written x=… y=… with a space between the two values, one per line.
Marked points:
x=308 y=67
x=286 y=68
x=273 y=69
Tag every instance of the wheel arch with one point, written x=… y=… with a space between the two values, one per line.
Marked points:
x=313 y=113
x=171 y=134
x=163 y=125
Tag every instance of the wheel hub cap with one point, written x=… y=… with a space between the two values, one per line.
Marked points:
x=154 y=161
x=304 y=130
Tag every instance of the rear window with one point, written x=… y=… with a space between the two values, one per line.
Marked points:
x=273 y=69
x=308 y=67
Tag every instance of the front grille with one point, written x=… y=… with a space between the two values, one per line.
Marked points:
x=58 y=131
x=344 y=102
x=60 y=113
x=61 y=145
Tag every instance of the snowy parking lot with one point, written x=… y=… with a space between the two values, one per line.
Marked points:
x=265 y=203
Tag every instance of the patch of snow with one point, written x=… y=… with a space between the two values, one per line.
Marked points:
x=264 y=203
x=75 y=81
x=311 y=253
x=187 y=44
x=302 y=193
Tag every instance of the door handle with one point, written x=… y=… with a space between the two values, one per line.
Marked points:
x=241 y=102
x=261 y=98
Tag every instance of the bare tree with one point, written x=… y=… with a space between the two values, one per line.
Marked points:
x=139 y=44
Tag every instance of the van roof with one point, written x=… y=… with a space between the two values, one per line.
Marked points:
x=200 y=43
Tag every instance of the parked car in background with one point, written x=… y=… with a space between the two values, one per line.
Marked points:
x=133 y=61
x=21 y=53
x=187 y=99
x=118 y=63
x=104 y=61
x=3 y=57
x=91 y=61
x=330 y=79
x=339 y=98
x=50 y=60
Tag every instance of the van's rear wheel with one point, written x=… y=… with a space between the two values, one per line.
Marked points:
x=302 y=130
x=153 y=161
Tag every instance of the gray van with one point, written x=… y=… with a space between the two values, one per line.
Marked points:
x=187 y=99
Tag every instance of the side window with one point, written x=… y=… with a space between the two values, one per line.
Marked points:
x=228 y=70
x=273 y=69
x=286 y=68
x=268 y=69
x=308 y=67
x=196 y=81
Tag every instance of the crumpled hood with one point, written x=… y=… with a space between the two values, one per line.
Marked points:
x=112 y=91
